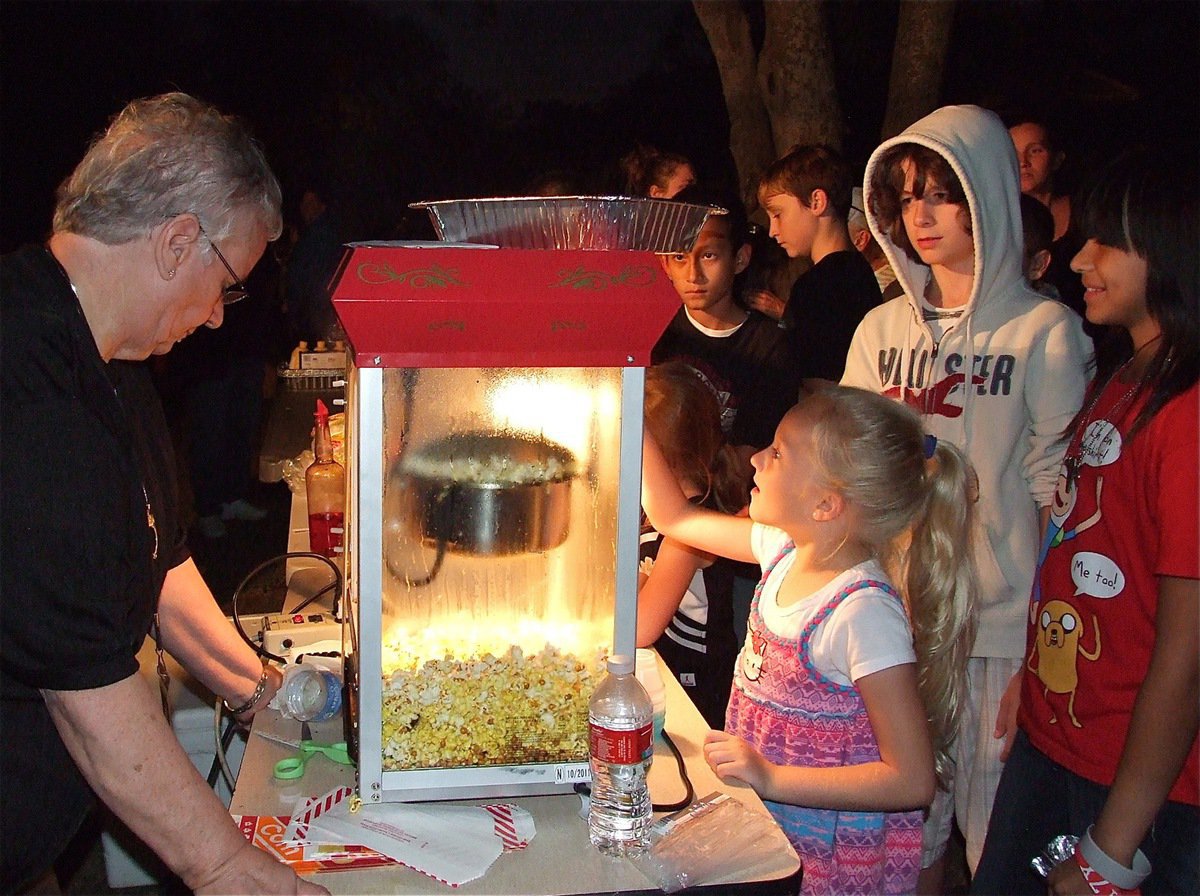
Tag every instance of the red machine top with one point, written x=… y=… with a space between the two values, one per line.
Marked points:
x=453 y=306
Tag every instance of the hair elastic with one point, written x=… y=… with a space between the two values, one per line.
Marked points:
x=930 y=446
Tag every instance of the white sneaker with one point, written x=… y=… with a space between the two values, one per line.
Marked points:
x=242 y=510
x=211 y=527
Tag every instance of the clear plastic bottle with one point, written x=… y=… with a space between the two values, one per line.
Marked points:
x=325 y=486
x=310 y=694
x=620 y=727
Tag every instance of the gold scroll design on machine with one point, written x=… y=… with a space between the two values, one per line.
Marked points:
x=432 y=277
x=582 y=278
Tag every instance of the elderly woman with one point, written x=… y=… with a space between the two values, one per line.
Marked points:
x=154 y=234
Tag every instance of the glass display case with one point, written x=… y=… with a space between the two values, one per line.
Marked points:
x=494 y=425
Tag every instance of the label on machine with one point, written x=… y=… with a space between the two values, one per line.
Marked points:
x=575 y=773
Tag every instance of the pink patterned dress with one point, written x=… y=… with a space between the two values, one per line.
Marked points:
x=794 y=715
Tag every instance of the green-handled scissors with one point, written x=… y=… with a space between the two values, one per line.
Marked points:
x=293 y=767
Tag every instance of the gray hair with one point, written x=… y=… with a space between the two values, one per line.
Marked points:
x=164 y=156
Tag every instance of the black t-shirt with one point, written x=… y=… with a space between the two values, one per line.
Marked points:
x=84 y=448
x=752 y=371
x=826 y=306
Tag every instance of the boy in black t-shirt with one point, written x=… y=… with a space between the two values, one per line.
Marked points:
x=806 y=195
x=743 y=355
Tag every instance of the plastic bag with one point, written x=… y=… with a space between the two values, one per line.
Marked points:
x=714 y=838
x=293 y=470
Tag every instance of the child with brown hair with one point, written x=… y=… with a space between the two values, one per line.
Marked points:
x=685 y=596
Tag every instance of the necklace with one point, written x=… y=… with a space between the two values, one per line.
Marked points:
x=1090 y=444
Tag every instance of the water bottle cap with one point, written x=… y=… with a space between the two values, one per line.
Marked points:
x=620 y=664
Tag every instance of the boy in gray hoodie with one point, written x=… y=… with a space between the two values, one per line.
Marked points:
x=992 y=367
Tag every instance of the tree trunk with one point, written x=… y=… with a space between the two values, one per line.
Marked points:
x=795 y=74
x=918 y=59
x=749 y=124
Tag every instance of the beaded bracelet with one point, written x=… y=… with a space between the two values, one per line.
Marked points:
x=259 y=690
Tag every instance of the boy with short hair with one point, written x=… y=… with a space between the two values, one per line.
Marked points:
x=806 y=195
x=742 y=354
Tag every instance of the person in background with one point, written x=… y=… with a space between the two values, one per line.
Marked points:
x=992 y=367
x=153 y=234
x=1037 y=232
x=310 y=267
x=865 y=242
x=1110 y=692
x=554 y=182
x=806 y=195
x=1040 y=158
x=741 y=354
x=685 y=597
x=220 y=374
x=654 y=173
x=847 y=690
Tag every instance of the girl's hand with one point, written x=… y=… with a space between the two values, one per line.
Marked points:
x=1006 y=715
x=1066 y=879
x=766 y=302
x=731 y=757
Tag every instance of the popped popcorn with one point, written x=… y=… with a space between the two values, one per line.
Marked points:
x=479 y=708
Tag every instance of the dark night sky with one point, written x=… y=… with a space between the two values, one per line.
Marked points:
x=392 y=102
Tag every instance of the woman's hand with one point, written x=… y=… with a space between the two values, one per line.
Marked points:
x=731 y=757
x=274 y=681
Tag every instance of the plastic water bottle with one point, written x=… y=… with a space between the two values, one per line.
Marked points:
x=310 y=694
x=620 y=727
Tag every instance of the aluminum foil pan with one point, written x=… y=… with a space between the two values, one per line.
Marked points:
x=571 y=222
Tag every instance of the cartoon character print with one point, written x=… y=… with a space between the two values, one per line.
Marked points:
x=1056 y=652
x=754 y=655
x=1062 y=505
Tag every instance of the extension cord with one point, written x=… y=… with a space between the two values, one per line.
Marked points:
x=286 y=633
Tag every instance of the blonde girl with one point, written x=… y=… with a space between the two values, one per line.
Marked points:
x=846 y=693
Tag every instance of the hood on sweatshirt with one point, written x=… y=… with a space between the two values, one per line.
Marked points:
x=979 y=150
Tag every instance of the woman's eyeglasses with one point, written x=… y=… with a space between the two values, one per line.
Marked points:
x=235 y=291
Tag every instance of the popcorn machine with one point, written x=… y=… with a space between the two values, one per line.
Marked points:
x=493 y=446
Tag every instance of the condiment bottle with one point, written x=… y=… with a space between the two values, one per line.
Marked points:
x=325 y=485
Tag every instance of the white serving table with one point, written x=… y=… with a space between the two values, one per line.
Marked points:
x=559 y=860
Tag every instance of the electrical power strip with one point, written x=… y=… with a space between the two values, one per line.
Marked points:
x=286 y=633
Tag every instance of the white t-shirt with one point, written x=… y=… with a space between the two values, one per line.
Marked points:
x=868 y=632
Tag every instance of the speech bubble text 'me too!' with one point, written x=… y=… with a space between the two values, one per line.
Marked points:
x=1097 y=575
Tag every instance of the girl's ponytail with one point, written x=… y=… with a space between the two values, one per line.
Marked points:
x=916 y=514
x=939 y=585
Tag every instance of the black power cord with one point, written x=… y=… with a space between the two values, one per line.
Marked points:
x=335 y=586
x=689 y=792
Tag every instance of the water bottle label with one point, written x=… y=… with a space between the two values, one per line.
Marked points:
x=333 y=698
x=621 y=747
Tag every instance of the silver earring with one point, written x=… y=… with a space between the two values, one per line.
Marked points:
x=171 y=274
